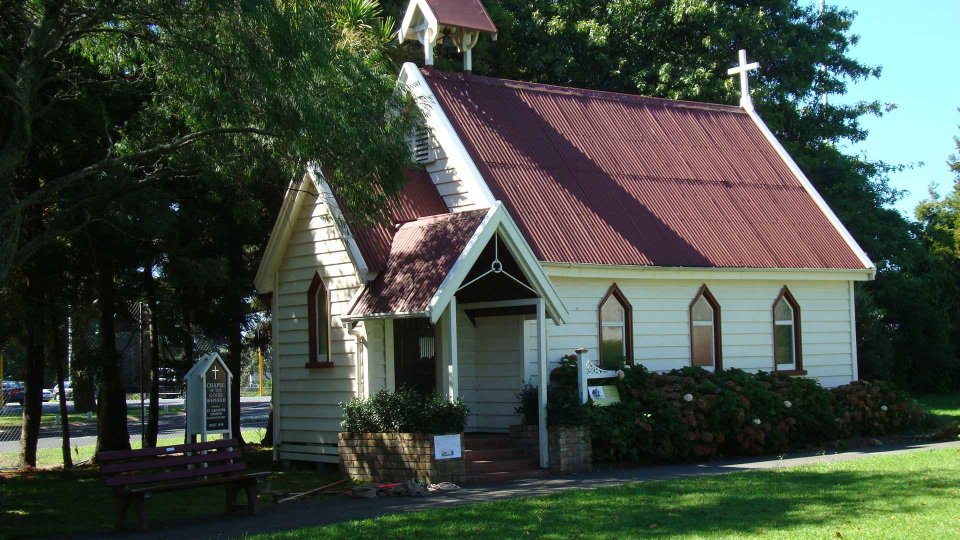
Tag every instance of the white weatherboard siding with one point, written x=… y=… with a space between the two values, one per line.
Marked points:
x=661 y=328
x=451 y=186
x=309 y=415
x=491 y=370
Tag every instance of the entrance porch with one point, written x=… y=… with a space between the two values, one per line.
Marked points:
x=478 y=335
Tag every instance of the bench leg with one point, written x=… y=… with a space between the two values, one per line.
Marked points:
x=142 y=521
x=122 y=502
x=251 y=491
x=231 y=503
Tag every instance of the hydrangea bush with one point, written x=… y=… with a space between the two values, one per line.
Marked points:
x=694 y=413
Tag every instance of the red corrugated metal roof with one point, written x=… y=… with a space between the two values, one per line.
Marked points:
x=601 y=178
x=418 y=198
x=463 y=13
x=421 y=256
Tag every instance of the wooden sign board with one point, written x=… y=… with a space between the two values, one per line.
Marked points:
x=208 y=397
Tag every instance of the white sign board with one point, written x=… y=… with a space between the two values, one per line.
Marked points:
x=208 y=397
x=446 y=447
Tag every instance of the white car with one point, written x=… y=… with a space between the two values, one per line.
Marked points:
x=47 y=394
x=67 y=389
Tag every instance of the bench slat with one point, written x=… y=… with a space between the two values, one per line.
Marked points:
x=128 y=480
x=114 y=455
x=173 y=461
x=239 y=479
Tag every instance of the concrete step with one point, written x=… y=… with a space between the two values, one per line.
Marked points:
x=488 y=442
x=492 y=454
x=504 y=476
x=500 y=465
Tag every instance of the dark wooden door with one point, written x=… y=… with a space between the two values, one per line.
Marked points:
x=415 y=354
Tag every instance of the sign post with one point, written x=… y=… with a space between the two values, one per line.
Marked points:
x=208 y=397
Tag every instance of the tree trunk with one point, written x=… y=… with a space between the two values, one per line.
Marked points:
x=268 y=436
x=81 y=366
x=32 y=396
x=153 y=418
x=112 y=431
x=59 y=361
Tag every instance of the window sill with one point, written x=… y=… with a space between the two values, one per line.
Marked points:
x=791 y=372
x=318 y=365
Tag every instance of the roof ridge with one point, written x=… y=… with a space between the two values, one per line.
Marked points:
x=583 y=92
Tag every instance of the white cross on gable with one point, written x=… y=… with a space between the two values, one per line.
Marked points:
x=743 y=69
x=216 y=370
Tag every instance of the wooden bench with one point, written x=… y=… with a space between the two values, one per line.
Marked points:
x=135 y=475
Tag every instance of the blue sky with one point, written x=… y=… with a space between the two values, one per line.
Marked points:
x=917 y=44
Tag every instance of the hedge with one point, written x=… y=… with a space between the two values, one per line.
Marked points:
x=403 y=411
x=694 y=413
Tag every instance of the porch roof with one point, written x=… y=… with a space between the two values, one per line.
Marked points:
x=422 y=254
x=431 y=257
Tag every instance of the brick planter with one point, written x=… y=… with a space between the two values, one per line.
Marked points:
x=396 y=457
x=570 y=446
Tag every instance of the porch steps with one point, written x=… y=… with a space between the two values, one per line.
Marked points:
x=495 y=457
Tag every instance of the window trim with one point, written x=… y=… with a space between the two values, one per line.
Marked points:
x=797 y=368
x=704 y=292
x=313 y=358
x=615 y=292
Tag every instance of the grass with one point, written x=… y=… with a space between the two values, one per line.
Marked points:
x=15 y=419
x=905 y=496
x=944 y=407
x=58 y=503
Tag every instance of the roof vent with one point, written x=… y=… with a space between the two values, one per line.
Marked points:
x=420 y=145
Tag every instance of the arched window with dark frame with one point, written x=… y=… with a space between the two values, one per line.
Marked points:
x=616 y=329
x=318 y=319
x=787 y=346
x=705 y=346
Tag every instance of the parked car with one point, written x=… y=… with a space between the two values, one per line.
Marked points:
x=47 y=394
x=171 y=386
x=67 y=389
x=12 y=392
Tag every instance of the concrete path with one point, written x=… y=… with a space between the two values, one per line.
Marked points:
x=315 y=512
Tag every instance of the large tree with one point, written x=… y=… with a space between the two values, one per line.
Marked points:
x=281 y=75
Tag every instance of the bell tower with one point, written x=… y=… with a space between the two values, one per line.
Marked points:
x=459 y=22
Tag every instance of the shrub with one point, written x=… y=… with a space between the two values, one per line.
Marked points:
x=563 y=406
x=403 y=411
x=694 y=413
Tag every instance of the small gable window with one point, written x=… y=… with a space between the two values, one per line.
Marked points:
x=318 y=317
x=786 y=333
x=616 y=325
x=705 y=347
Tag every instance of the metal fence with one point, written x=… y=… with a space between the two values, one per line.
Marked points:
x=254 y=411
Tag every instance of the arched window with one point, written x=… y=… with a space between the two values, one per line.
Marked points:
x=787 y=349
x=318 y=319
x=616 y=330
x=705 y=346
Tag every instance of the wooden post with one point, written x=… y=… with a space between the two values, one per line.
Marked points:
x=544 y=381
x=454 y=376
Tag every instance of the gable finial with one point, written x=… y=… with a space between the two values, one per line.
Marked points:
x=743 y=69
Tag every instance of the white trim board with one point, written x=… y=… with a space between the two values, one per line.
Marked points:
x=446 y=135
x=812 y=191
x=498 y=220
x=554 y=269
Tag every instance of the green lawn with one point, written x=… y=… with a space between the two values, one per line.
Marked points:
x=906 y=496
x=48 y=503
x=945 y=407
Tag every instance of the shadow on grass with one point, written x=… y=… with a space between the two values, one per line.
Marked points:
x=781 y=503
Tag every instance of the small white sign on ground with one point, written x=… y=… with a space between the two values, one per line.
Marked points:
x=446 y=447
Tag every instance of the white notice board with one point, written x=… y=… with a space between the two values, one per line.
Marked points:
x=446 y=447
